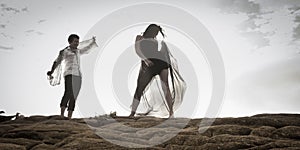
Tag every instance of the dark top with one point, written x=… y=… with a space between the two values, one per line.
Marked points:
x=149 y=48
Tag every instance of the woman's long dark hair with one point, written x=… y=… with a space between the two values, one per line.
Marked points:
x=152 y=30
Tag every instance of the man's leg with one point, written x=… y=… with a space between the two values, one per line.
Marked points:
x=76 y=86
x=62 y=111
x=70 y=113
x=67 y=94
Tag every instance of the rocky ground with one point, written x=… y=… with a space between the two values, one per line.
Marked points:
x=264 y=131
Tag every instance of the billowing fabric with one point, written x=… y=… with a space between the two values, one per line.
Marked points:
x=69 y=61
x=153 y=101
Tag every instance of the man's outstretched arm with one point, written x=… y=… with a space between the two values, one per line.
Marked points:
x=91 y=44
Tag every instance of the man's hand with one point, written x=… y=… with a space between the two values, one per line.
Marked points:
x=94 y=39
x=49 y=73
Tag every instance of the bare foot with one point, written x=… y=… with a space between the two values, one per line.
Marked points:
x=146 y=113
x=171 y=114
x=131 y=115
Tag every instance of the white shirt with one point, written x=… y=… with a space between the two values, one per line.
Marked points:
x=70 y=59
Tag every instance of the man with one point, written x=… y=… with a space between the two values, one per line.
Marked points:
x=72 y=73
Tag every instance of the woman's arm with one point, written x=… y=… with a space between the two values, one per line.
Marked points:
x=139 y=52
x=137 y=47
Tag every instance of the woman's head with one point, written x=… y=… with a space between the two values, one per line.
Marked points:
x=152 y=31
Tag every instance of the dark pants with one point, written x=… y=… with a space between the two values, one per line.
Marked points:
x=72 y=88
x=146 y=74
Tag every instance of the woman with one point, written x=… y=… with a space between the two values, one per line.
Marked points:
x=153 y=63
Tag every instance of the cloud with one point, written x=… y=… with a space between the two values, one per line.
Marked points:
x=261 y=14
x=257 y=38
x=296 y=34
x=5 y=48
x=31 y=31
x=42 y=20
x=236 y=6
x=25 y=9
x=294 y=9
x=7 y=36
x=7 y=12
x=275 y=4
x=249 y=27
x=254 y=22
x=10 y=9
x=39 y=33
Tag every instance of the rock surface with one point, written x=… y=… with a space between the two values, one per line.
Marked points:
x=264 y=131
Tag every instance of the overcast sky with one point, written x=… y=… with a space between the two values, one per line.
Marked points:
x=258 y=41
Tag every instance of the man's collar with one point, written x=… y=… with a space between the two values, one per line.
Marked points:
x=68 y=48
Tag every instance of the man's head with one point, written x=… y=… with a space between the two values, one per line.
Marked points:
x=73 y=41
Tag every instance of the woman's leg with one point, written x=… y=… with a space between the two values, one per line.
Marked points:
x=165 y=86
x=145 y=76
